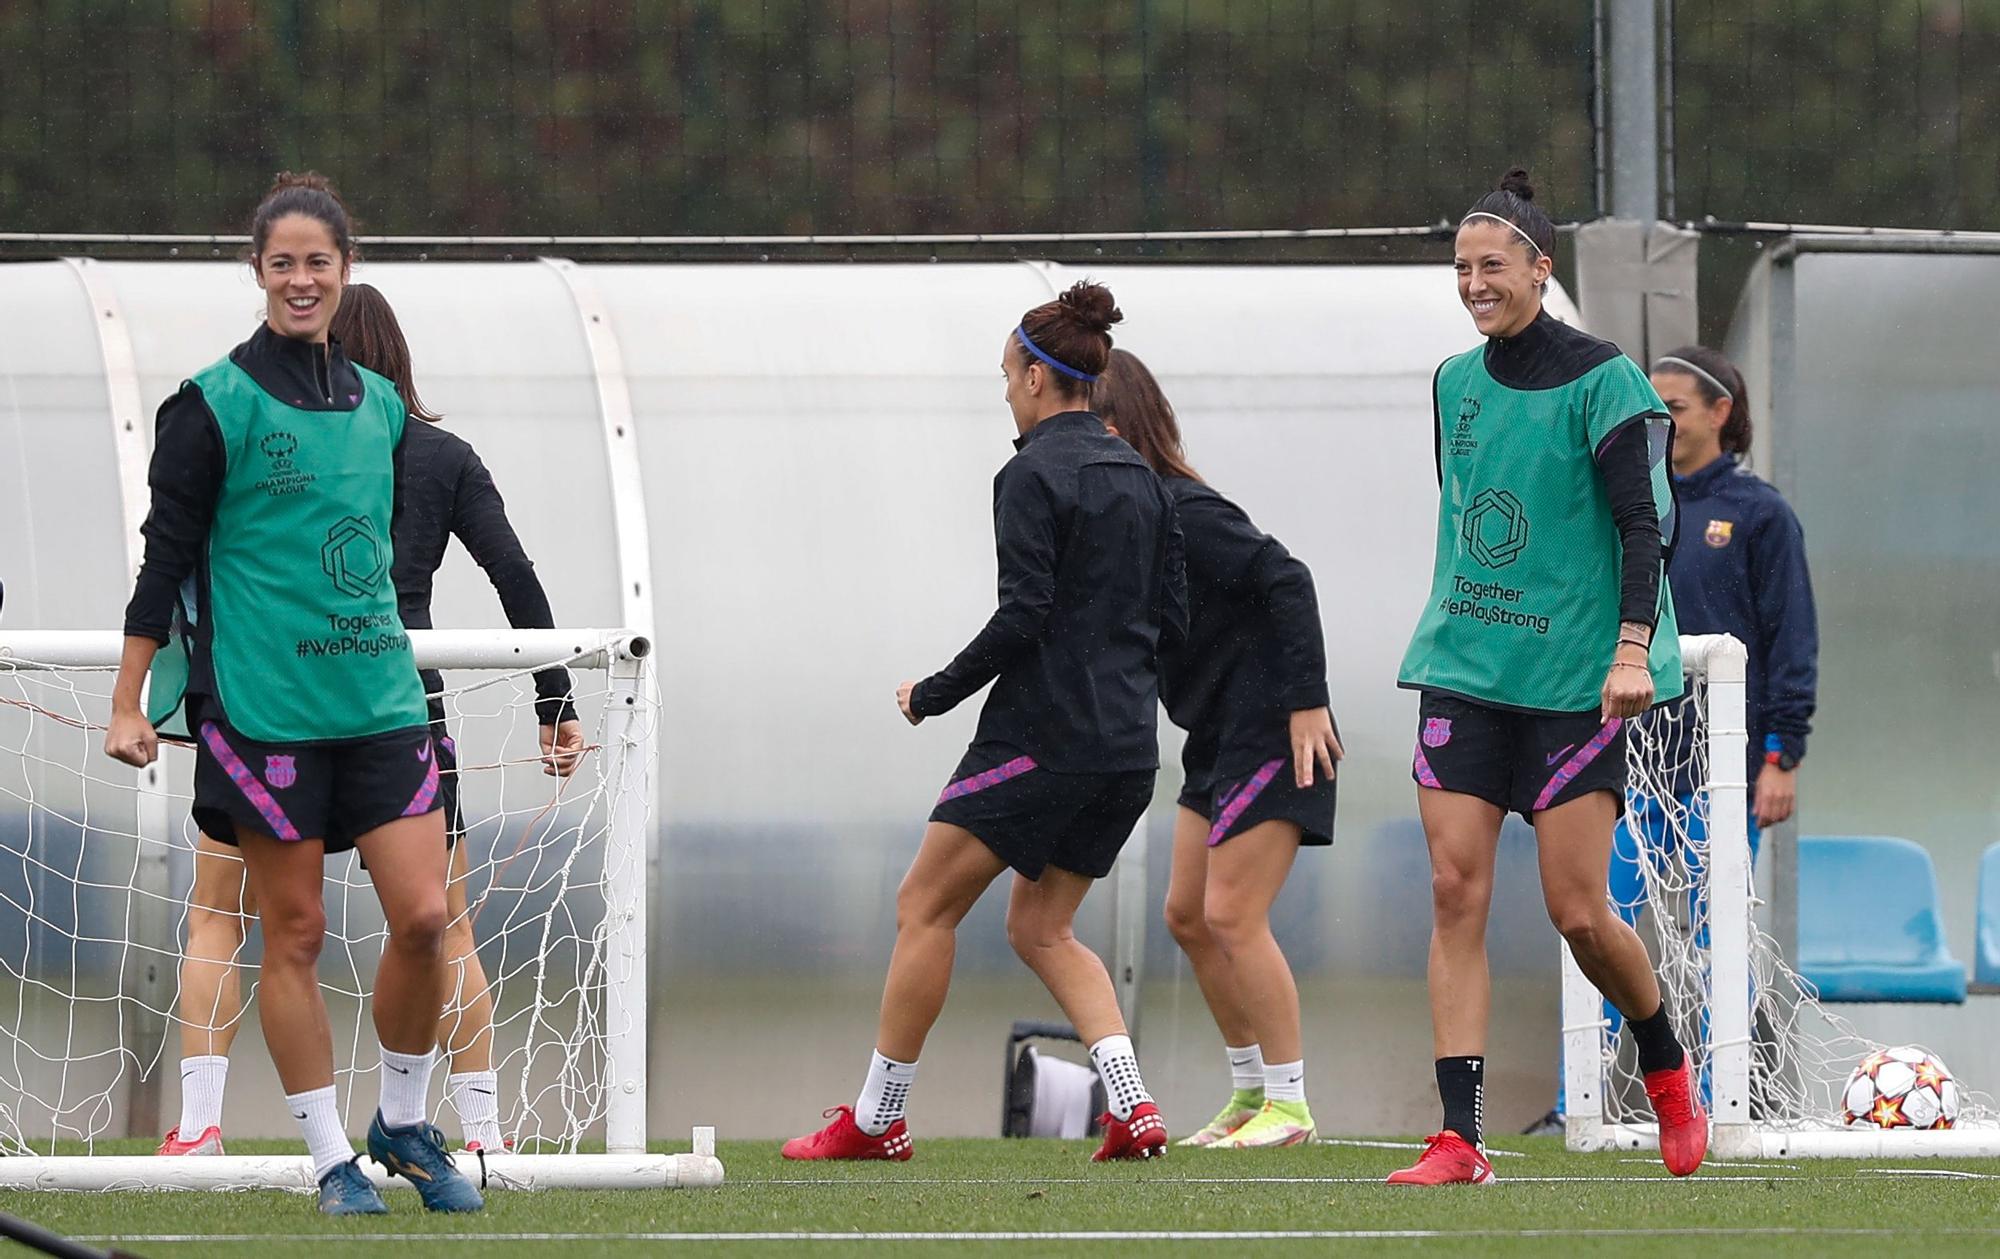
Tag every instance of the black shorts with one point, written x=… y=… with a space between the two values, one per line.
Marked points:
x=1269 y=793
x=447 y=762
x=1033 y=818
x=332 y=792
x=1522 y=762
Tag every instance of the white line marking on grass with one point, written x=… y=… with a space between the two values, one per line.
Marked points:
x=1709 y=1162
x=1937 y=1173
x=1108 y=1235
x=1661 y=1179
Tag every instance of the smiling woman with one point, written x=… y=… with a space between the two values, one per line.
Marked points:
x=1547 y=629
x=273 y=491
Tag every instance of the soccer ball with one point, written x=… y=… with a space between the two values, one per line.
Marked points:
x=1901 y=1088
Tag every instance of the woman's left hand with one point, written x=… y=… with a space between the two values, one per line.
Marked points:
x=1313 y=739
x=903 y=694
x=562 y=748
x=1628 y=689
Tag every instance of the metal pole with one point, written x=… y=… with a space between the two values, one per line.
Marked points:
x=1634 y=73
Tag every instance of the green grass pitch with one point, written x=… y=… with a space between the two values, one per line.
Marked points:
x=1023 y=1198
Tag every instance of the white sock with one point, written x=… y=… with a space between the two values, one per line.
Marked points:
x=1246 y=1067
x=475 y=1095
x=320 y=1124
x=1118 y=1067
x=202 y=1081
x=1285 y=1081
x=884 y=1095
x=406 y=1086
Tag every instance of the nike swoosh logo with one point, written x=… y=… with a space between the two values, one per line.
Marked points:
x=298 y=1114
x=1295 y=1079
x=1558 y=756
x=481 y=1092
x=424 y=752
x=398 y=1070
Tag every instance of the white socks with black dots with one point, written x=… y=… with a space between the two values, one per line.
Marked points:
x=475 y=1095
x=1285 y=1081
x=202 y=1081
x=1246 y=1067
x=1118 y=1067
x=319 y=1122
x=406 y=1086
x=885 y=1094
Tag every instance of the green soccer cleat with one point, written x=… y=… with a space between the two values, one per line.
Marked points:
x=1242 y=1107
x=1278 y=1124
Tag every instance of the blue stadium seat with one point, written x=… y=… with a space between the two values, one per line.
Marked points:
x=1869 y=924
x=1986 y=935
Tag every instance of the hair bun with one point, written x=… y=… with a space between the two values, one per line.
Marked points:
x=1092 y=306
x=1516 y=182
x=302 y=179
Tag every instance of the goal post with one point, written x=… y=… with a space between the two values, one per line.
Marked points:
x=1771 y=1058
x=92 y=932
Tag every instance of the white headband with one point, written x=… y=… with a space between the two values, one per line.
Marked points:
x=1697 y=369
x=1516 y=227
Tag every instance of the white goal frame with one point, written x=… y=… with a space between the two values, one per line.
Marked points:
x=1735 y=1134
x=630 y=744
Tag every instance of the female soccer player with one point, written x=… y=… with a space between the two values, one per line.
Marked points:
x=1091 y=593
x=1740 y=570
x=1249 y=687
x=273 y=479
x=1546 y=630
x=442 y=490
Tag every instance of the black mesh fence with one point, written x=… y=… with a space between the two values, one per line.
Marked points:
x=876 y=116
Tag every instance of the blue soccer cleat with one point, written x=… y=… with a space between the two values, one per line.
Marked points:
x=346 y=1191
x=417 y=1154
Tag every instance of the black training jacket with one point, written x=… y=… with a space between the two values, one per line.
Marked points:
x=1092 y=592
x=1255 y=652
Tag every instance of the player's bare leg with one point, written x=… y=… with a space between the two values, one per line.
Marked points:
x=285 y=879
x=1463 y=834
x=1245 y=874
x=1574 y=851
x=465 y=1029
x=1041 y=915
x=1187 y=922
x=211 y=1004
x=952 y=869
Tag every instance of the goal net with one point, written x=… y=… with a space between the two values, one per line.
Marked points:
x=1772 y=1060
x=96 y=862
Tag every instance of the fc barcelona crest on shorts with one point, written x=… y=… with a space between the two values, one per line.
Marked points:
x=1437 y=731
x=1718 y=532
x=280 y=771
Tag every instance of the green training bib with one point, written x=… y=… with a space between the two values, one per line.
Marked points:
x=1523 y=608
x=303 y=636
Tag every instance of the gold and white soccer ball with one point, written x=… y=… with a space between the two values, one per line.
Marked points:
x=1904 y=1087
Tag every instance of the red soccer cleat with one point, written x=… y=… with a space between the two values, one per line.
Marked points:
x=1448 y=1159
x=1683 y=1123
x=1144 y=1135
x=209 y=1142
x=843 y=1138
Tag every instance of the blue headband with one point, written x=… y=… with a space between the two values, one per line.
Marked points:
x=1038 y=352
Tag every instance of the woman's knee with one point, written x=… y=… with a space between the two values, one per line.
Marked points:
x=420 y=926
x=1032 y=935
x=293 y=937
x=1187 y=922
x=919 y=904
x=1459 y=891
x=1231 y=922
x=1584 y=923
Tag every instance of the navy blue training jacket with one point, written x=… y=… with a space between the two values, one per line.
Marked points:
x=1739 y=567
